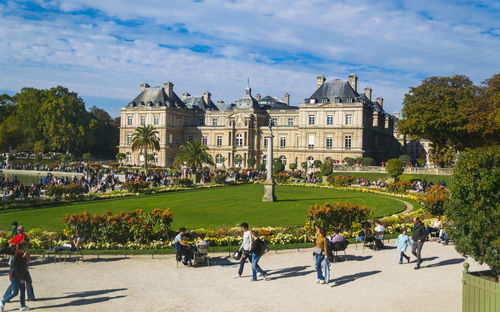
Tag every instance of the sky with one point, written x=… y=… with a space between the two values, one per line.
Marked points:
x=104 y=49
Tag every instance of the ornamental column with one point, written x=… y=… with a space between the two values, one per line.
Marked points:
x=269 y=195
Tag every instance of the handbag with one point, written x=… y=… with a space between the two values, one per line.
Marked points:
x=317 y=250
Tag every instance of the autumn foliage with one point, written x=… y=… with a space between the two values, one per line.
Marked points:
x=337 y=216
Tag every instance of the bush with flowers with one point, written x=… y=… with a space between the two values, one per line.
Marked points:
x=185 y=182
x=435 y=199
x=340 y=180
x=401 y=186
x=136 y=186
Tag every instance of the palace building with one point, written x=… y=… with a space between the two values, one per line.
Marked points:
x=336 y=121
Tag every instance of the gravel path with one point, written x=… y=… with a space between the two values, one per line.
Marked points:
x=368 y=281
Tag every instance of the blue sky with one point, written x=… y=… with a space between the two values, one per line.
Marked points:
x=105 y=49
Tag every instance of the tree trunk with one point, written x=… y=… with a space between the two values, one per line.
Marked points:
x=146 y=160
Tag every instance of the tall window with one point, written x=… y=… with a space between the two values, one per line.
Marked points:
x=348 y=119
x=239 y=140
x=214 y=122
x=329 y=119
x=170 y=138
x=179 y=122
x=290 y=121
x=204 y=140
x=129 y=138
x=311 y=119
x=171 y=120
x=129 y=157
x=219 y=140
x=141 y=157
x=329 y=141
x=264 y=160
x=274 y=121
x=156 y=120
x=143 y=120
x=283 y=160
x=283 y=141
x=238 y=160
x=155 y=158
x=348 y=141
x=311 y=141
x=129 y=120
x=202 y=121
x=218 y=159
x=265 y=142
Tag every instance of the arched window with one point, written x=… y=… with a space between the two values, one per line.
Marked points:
x=310 y=161
x=129 y=157
x=141 y=157
x=283 y=160
x=239 y=140
x=238 y=160
x=264 y=160
x=218 y=159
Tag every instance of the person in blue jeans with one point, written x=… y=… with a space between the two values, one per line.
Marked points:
x=319 y=251
x=17 y=276
x=257 y=252
x=402 y=242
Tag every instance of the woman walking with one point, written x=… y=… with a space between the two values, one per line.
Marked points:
x=258 y=247
x=319 y=251
x=17 y=276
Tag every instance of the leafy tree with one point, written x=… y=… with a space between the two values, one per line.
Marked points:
x=7 y=107
x=120 y=156
x=261 y=167
x=435 y=111
x=278 y=166
x=251 y=161
x=292 y=166
x=317 y=163
x=474 y=207
x=194 y=154
x=105 y=134
x=367 y=161
x=11 y=134
x=87 y=156
x=349 y=161
x=326 y=168
x=144 y=138
x=304 y=165
x=405 y=159
x=394 y=167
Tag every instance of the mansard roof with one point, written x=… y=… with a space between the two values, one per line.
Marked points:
x=247 y=101
x=198 y=103
x=156 y=96
x=225 y=106
x=335 y=88
x=273 y=102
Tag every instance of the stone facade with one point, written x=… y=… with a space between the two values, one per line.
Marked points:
x=336 y=122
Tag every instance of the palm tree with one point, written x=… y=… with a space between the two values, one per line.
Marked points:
x=145 y=137
x=194 y=154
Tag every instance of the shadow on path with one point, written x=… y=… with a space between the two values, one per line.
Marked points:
x=290 y=272
x=351 y=278
x=223 y=261
x=79 y=302
x=354 y=258
x=83 y=294
x=445 y=262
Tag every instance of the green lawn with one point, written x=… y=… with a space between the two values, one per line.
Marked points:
x=210 y=208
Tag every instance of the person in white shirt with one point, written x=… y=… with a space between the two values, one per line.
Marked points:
x=379 y=234
x=245 y=247
x=436 y=226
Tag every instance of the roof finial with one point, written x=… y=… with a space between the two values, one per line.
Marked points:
x=248 y=82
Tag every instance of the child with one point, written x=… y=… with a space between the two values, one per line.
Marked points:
x=402 y=243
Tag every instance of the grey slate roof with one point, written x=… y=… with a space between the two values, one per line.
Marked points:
x=156 y=96
x=335 y=88
x=198 y=103
x=273 y=102
x=247 y=101
x=226 y=106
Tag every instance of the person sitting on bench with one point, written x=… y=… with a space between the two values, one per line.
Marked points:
x=379 y=234
x=182 y=248
x=73 y=245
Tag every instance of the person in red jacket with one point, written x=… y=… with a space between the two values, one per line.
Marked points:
x=17 y=276
x=20 y=236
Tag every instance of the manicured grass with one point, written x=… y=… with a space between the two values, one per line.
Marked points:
x=210 y=208
x=374 y=176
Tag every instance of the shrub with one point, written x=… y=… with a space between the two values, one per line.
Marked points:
x=278 y=167
x=367 y=161
x=303 y=165
x=435 y=200
x=326 y=168
x=261 y=167
x=349 y=161
x=72 y=190
x=281 y=177
x=405 y=159
x=251 y=161
x=340 y=180
x=137 y=226
x=136 y=186
x=295 y=174
x=87 y=156
x=292 y=166
x=400 y=187
x=220 y=178
x=186 y=182
x=337 y=216
x=474 y=206
x=120 y=156
x=394 y=167
x=317 y=163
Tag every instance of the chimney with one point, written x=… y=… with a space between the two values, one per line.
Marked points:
x=144 y=86
x=287 y=99
x=353 y=81
x=387 y=122
x=169 y=89
x=220 y=102
x=206 y=97
x=368 y=93
x=380 y=101
x=257 y=97
x=321 y=80
x=185 y=95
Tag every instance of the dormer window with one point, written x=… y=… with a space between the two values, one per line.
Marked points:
x=325 y=101
x=348 y=100
x=312 y=101
x=336 y=100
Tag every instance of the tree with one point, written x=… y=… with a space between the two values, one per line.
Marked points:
x=405 y=159
x=261 y=167
x=394 y=167
x=278 y=166
x=251 y=161
x=194 y=154
x=326 y=168
x=7 y=107
x=304 y=165
x=367 y=161
x=105 y=135
x=317 y=163
x=349 y=161
x=292 y=166
x=474 y=208
x=120 y=156
x=87 y=156
x=144 y=138
x=435 y=111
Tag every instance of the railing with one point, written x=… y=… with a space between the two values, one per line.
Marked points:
x=479 y=294
x=408 y=170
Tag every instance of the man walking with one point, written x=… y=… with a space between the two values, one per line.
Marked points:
x=418 y=237
x=245 y=248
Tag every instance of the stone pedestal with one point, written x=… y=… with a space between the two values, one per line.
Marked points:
x=269 y=193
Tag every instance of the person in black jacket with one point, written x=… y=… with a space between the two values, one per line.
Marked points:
x=418 y=237
x=257 y=251
x=17 y=276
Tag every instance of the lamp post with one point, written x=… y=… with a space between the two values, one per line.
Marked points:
x=269 y=184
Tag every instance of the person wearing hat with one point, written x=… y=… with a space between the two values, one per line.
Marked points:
x=19 y=237
x=245 y=248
